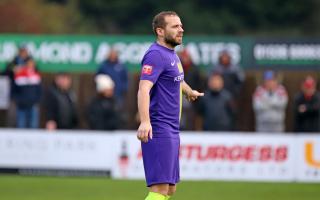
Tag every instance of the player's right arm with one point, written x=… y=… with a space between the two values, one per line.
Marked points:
x=152 y=67
x=145 y=129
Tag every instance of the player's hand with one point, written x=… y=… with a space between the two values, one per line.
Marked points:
x=144 y=131
x=193 y=95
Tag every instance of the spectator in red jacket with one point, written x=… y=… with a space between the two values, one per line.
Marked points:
x=26 y=94
x=307 y=107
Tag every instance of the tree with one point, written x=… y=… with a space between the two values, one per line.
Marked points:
x=211 y=17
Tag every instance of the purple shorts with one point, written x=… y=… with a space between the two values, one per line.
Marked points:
x=161 y=160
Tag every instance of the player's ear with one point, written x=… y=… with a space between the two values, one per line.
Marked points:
x=160 y=31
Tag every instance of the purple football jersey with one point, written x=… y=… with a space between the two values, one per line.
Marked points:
x=162 y=66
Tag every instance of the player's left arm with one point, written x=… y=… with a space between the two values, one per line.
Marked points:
x=189 y=93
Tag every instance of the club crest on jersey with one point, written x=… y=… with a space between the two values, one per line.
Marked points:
x=146 y=69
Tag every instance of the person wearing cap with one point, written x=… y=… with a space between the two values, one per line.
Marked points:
x=60 y=104
x=269 y=103
x=307 y=107
x=102 y=113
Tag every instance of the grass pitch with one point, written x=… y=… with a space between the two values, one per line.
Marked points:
x=66 y=188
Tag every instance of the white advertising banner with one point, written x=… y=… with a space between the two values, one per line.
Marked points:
x=128 y=163
x=4 y=92
x=56 y=150
x=203 y=156
x=308 y=158
x=219 y=157
x=237 y=157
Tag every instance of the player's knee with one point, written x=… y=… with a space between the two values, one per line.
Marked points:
x=172 y=190
x=161 y=188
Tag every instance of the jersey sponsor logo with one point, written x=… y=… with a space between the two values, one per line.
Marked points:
x=179 y=78
x=146 y=69
x=172 y=63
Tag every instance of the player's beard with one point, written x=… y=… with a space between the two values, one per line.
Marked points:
x=171 y=41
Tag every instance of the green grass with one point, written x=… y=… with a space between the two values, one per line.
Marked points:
x=57 y=188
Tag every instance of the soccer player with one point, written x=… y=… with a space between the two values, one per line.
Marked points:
x=159 y=102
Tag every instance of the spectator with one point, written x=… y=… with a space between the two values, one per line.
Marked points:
x=192 y=77
x=102 y=112
x=233 y=76
x=269 y=103
x=307 y=107
x=191 y=71
x=118 y=72
x=216 y=106
x=26 y=94
x=18 y=61
x=60 y=104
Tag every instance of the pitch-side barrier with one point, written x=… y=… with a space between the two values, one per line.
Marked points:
x=203 y=155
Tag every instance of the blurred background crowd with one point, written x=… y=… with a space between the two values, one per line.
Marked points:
x=50 y=101
x=236 y=99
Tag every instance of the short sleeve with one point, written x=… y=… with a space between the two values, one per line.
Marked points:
x=152 y=66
